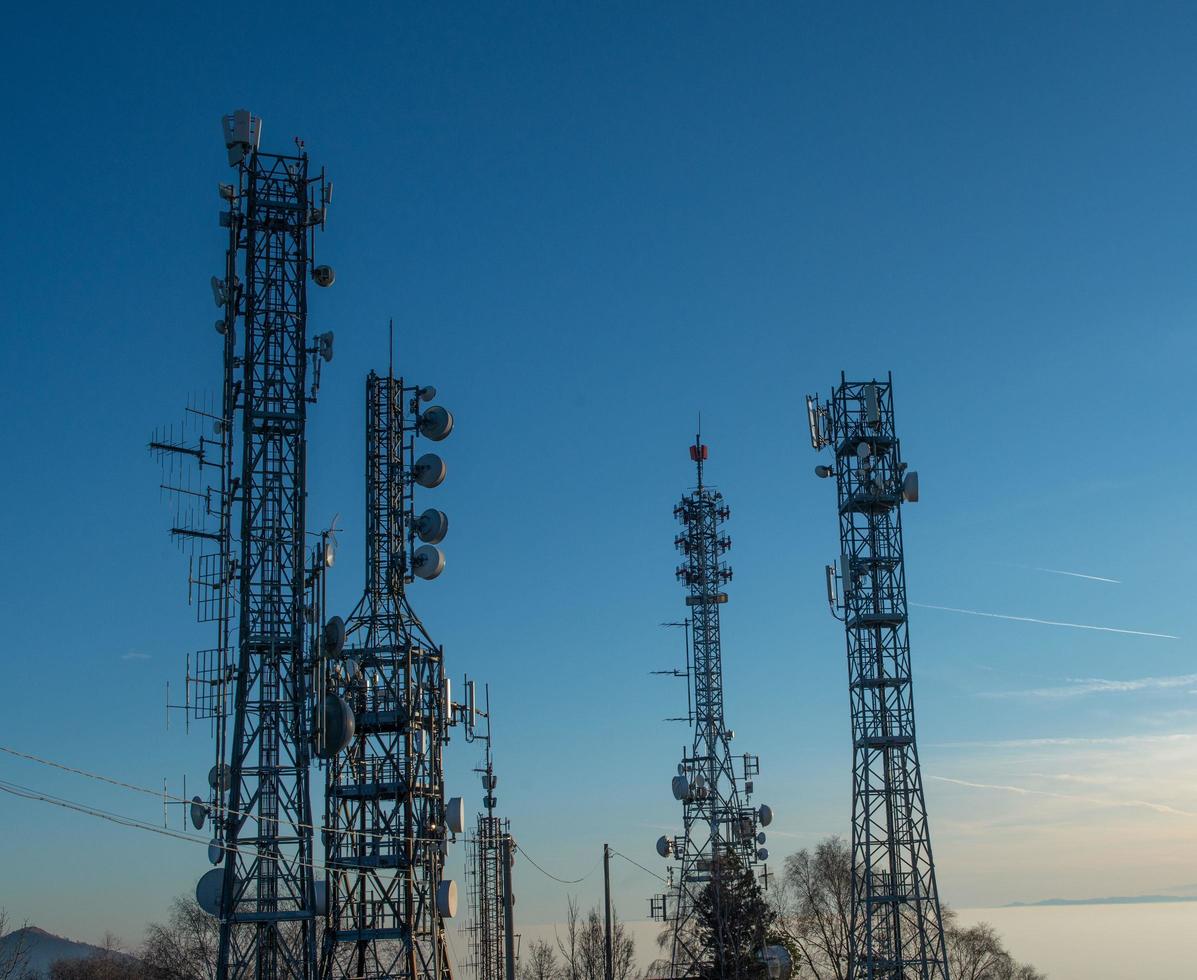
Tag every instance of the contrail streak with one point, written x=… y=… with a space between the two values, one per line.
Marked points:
x=1092 y=578
x=1023 y=791
x=1060 y=571
x=1045 y=622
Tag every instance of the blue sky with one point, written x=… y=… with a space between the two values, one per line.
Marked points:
x=591 y=223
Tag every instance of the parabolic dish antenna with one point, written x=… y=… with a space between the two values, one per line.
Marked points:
x=429 y=470
x=446 y=898
x=436 y=422
x=455 y=814
x=333 y=725
x=432 y=526
x=334 y=636
x=215 y=851
x=207 y=891
x=428 y=561
x=199 y=813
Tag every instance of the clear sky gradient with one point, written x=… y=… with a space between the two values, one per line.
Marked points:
x=591 y=223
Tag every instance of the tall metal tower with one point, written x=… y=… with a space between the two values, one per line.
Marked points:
x=714 y=787
x=897 y=931
x=262 y=889
x=385 y=718
x=488 y=869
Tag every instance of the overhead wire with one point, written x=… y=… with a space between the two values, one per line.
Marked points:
x=548 y=874
x=639 y=865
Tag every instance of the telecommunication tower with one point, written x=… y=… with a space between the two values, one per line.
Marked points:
x=384 y=718
x=715 y=788
x=897 y=929
x=489 y=859
x=252 y=566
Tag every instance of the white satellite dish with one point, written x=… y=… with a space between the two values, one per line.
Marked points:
x=215 y=851
x=446 y=898
x=428 y=561
x=429 y=470
x=760 y=838
x=863 y=450
x=436 y=422
x=221 y=326
x=207 y=891
x=664 y=846
x=763 y=854
x=681 y=787
x=427 y=393
x=765 y=814
x=910 y=487
x=333 y=726
x=455 y=814
x=822 y=472
x=432 y=526
x=323 y=275
x=334 y=636
x=199 y=813
x=218 y=776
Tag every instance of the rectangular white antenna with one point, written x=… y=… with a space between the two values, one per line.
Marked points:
x=846 y=575
x=832 y=597
x=872 y=407
x=812 y=418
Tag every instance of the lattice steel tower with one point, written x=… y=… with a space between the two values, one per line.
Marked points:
x=897 y=931
x=488 y=870
x=385 y=718
x=714 y=787
x=263 y=889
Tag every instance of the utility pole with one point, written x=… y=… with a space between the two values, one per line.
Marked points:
x=610 y=960
x=508 y=918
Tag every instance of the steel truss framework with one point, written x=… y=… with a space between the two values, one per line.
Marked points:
x=267 y=927
x=897 y=931
x=714 y=786
x=484 y=868
x=385 y=805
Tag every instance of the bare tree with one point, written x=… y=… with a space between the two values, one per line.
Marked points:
x=584 y=947
x=14 y=952
x=540 y=962
x=814 y=906
x=185 y=947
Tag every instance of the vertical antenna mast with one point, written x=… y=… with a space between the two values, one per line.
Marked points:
x=388 y=824
x=721 y=827
x=897 y=930
x=267 y=895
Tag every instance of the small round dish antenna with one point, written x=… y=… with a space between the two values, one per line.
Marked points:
x=664 y=846
x=334 y=636
x=323 y=275
x=218 y=777
x=436 y=422
x=910 y=487
x=863 y=450
x=432 y=526
x=681 y=787
x=760 y=838
x=199 y=813
x=446 y=898
x=333 y=726
x=215 y=851
x=428 y=561
x=455 y=814
x=765 y=814
x=762 y=854
x=427 y=393
x=207 y=891
x=429 y=470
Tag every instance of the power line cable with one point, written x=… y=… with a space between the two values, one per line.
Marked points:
x=639 y=865
x=549 y=874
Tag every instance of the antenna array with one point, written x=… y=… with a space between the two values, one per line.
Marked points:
x=720 y=825
x=897 y=929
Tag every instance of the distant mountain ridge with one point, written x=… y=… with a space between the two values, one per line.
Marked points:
x=1112 y=900
x=45 y=948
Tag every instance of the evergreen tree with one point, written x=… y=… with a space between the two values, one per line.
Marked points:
x=732 y=923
